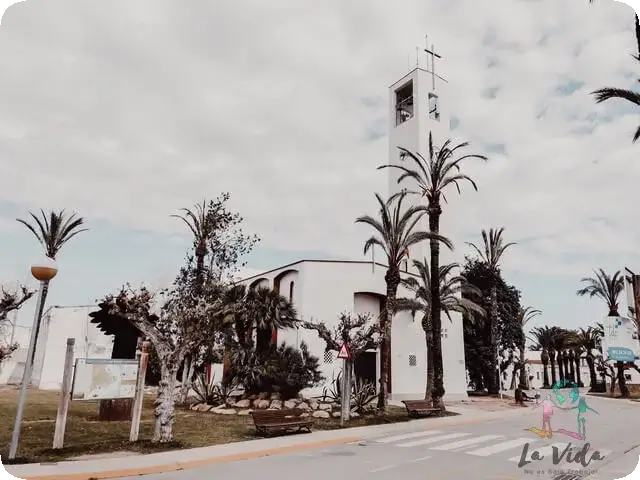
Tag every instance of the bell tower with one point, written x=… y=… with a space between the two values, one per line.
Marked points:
x=417 y=106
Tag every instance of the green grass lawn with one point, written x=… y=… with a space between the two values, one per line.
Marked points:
x=86 y=435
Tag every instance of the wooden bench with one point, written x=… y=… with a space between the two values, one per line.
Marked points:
x=269 y=421
x=416 y=408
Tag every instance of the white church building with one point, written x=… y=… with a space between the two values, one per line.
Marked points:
x=321 y=289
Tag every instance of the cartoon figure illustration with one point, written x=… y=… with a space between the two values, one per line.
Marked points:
x=547 y=410
x=575 y=393
x=556 y=387
x=582 y=408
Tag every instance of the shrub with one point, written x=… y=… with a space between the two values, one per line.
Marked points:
x=284 y=369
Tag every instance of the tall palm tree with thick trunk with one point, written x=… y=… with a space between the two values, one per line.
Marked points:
x=491 y=255
x=395 y=232
x=451 y=287
x=608 y=289
x=607 y=93
x=432 y=176
x=525 y=315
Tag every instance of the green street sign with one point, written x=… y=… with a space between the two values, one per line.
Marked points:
x=620 y=354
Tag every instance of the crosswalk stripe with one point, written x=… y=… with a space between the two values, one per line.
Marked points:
x=500 y=447
x=427 y=441
x=543 y=452
x=407 y=436
x=466 y=443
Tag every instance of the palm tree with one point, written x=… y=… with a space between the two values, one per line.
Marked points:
x=525 y=315
x=605 y=287
x=53 y=231
x=395 y=232
x=451 y=287
x=201 y=221
x=608 y=93
x=543 y=338
x=494 y=249
x=432 y=177
x=608 y=289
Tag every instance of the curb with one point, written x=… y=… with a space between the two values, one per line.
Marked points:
x=359 y=434
x=130 y=472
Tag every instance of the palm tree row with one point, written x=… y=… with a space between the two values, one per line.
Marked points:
x=561 y=351
x=435 y=287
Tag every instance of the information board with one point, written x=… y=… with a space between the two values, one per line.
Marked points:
x=104 y=379
x=620 y=342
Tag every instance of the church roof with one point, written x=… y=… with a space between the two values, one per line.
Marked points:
x=290 y=265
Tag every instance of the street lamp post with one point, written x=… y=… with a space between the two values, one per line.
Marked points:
x=43 y=271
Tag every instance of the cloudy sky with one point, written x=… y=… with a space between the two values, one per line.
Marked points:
x=128 y=110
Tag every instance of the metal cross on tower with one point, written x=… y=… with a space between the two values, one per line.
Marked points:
x=434 y=55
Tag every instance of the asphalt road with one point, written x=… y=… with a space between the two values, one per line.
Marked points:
x=490 y=450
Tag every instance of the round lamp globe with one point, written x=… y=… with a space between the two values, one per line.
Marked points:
x=44 y=269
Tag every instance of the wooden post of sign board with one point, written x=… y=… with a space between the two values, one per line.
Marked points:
x=136 y=413
x=65 y=396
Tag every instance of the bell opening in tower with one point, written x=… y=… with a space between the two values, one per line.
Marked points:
x=434 y=107
x=404 y=103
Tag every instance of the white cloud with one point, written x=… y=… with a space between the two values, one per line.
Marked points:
x=129 y=110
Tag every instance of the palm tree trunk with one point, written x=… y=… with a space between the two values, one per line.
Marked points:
x=438 y=391
x=393 y=280
x=593 y=380
x=495 y=387
x=545 y=375
x=428 y=334
x=622 y=382
x=523 y=374
x=552 y=362
x=578 y=377
x=560 y=360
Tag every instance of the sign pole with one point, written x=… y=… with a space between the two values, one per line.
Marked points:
x=136 y=413
x=345 y=400
x=65 y=396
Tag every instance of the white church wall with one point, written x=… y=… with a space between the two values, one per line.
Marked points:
x=59 y=324
x=408 y=357
x=328 y=289
x=453 y=357
x=294 y=294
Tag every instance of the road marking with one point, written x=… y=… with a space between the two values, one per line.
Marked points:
x=466 y=443
x=407 y=436
x=382 y=469
x=500 y=447
x=426 y=441
x=543 y=452
x=415 y=460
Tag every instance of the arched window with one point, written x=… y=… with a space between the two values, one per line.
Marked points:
x=291 y=285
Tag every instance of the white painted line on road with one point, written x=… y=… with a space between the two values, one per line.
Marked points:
x=427 y=441
x=407 y=436
x=500 y=447
x=466 y=443
x=415 y=460
x=542 y=452
x=382 y=469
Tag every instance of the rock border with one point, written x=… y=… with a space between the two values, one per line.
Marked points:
x=312 y=407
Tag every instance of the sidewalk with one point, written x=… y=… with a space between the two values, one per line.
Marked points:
x=183 y=459
x=620 y=467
